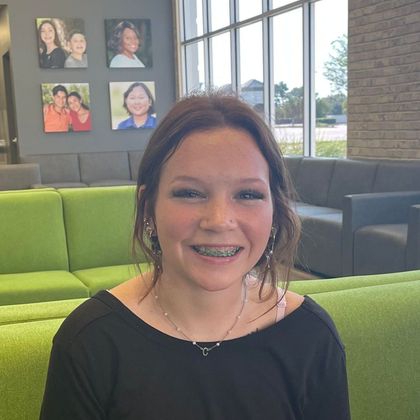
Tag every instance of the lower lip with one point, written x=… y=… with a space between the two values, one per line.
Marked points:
x=217 y=260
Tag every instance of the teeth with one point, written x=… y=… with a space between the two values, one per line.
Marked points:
x=217 y=252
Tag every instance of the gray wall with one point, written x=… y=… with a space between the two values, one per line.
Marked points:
x=28 y=76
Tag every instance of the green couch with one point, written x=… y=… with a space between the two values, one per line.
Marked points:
x=378 y=323
x=64 y=244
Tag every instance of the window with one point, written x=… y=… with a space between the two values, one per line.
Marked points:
x=286 y=58
x=288 y=81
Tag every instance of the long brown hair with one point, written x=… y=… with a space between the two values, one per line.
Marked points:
x=203 y=112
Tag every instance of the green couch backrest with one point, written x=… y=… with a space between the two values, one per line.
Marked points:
x=379 y=326
x=99 y=224
x=24 y=355
x=32 y=232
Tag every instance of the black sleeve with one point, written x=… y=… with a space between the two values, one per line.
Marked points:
x=69 y=392
x=328 y=397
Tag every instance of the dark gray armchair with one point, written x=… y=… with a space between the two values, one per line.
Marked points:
x=386 y=231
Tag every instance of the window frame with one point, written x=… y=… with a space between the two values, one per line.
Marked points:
x=308 y=59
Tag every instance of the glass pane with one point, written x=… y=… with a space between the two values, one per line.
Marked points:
x=288 y=81
x=194 y=63
x=251 y=65
x=219 y=14
x=280 y=3
x=249 y=8
x=331 y=78
x=220 y=61
x=193 y=18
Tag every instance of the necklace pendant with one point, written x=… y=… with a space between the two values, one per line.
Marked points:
x=205 y=351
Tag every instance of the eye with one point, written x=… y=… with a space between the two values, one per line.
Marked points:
x=250 y=195
x=187 y=193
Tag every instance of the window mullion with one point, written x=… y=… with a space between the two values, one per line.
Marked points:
x=308 y=82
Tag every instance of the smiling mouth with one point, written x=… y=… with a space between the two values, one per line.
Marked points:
x=220 y=252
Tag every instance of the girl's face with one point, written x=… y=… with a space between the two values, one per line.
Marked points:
x=129 y=42
x=77 y=44
x=74 y=103
x=214 y=209
x=47 y=33
x=137 y=102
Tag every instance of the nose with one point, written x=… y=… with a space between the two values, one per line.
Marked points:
x=218 y=215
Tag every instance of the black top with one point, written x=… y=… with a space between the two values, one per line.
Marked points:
x=54 y=60
x=106 y=363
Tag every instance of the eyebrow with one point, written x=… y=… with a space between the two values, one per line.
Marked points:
x=186 y=178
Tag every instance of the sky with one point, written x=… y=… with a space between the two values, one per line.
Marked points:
x=330 y=23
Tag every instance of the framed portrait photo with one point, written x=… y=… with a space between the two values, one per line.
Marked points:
x=66 y=107
x=61 y=43
x=129 y=43
x=132 y=105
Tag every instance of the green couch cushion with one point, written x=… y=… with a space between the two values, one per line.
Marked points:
x=39 y=287
x=32 y=232
x=25 y=349
x=379 y=326
x=107 y=277
x=99 y=225
x=342 y=283
x=12 y=314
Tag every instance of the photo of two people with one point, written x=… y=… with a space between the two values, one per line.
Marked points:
x=61 y=43
x=66 y=107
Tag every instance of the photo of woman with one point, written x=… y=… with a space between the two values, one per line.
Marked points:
x=51 y=55
x=128 y=43
x=135 y=99
x=79 y=112
x=61 y=42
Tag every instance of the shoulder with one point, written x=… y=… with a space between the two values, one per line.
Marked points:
x=83 y=320
x=116 y=60
x=127 y=123
x=317 y=324
x=59 y=52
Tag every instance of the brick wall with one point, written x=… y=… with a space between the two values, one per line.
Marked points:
x=384 y=79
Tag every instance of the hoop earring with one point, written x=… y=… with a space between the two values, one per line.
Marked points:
x=269 y=250
x=151 y=234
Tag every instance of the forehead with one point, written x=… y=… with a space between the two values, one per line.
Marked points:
x=47 y=26
x=137 y=90
x=60 y=93
x=222 y=151
x=129 y=32
x=77 y=37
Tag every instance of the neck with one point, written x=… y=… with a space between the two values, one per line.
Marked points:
x=77 y=56
x=203 y=315
x=128 y=54
x=140 y=119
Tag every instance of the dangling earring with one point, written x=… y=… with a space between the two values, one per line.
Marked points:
x=269 y=250
x=151 y=234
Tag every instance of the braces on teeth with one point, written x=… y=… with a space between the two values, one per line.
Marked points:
x=216 y=252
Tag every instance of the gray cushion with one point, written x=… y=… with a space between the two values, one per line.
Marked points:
x=112 y=183
x=350 y=177
x=392 y=176
x=313 y=180
x=104 y=165
x=61 y=185
x=134 y=157
x=320 y=244
x=57 y=168
x=292 y=164
x=19 y=176
x=303 y=209
x=380 y=249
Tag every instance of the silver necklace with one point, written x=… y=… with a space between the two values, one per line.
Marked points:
x=204 y=350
